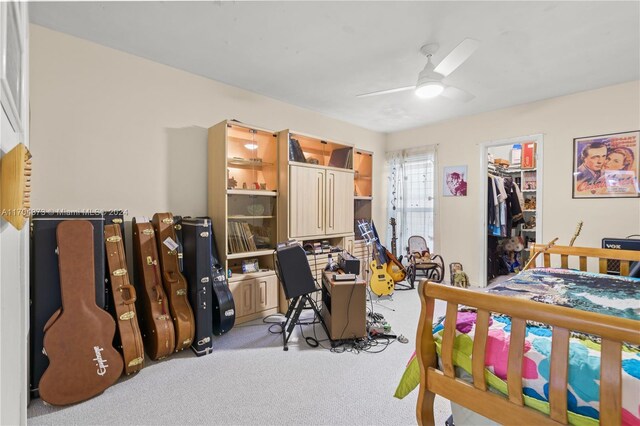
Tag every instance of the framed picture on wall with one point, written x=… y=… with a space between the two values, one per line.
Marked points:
x=454 y=183
x=606 y=166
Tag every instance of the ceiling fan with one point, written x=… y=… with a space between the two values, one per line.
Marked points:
x=430 y=80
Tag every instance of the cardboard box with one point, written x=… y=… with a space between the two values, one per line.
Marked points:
x=528 y=155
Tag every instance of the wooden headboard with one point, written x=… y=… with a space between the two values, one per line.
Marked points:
x=511 y=409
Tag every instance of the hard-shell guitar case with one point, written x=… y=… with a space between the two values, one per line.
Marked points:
x=197 y=259
x=155 y=322
x=177 y=226
x=175 y=284
x=78 y=338
x=45 y=280
x=124 y=297
x=224 y=315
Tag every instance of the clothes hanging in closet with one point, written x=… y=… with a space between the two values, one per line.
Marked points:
x=504 y=206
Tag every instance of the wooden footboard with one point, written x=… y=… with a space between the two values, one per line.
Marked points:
x=511 y=410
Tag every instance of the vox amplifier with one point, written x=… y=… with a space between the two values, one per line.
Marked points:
x=348 y=263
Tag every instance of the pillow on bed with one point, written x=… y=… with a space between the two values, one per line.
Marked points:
x=410 y=379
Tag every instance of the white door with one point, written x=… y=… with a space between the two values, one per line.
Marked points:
x=14 y=259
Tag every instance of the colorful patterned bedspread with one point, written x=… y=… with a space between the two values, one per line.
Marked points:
x=609 y=295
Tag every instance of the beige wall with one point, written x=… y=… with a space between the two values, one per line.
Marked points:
x=559 y=120
x=112 y=130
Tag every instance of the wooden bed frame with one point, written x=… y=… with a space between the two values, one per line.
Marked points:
x=511 y=409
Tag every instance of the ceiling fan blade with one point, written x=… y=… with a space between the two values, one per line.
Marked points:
x=457 y=94
x=457 y=56
x=385 y=92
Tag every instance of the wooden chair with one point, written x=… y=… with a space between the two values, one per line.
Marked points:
x=430 y=266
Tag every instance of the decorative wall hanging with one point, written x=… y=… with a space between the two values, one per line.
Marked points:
x=606 y=166
x=454 y=183
x=15 y=196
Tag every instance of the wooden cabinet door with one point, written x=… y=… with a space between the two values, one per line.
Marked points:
x=266 y=293
x=339 y=216
x=244 y=296
x=306 y=201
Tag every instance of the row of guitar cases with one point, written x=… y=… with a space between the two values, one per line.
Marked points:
x=211 y=300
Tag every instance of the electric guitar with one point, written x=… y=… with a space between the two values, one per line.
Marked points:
x=395 y=268
x=575 y=234
x=392 y=222
x=381 y=283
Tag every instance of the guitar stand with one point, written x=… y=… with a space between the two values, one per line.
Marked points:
x=293 y=315
x=374 y=298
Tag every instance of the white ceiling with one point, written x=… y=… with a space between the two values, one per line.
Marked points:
x=319 y=55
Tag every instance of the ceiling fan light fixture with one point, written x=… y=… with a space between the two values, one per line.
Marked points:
x=429 y=90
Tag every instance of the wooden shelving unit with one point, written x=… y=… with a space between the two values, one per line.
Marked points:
x=362 y=189
x=315 y=181
x=243 y=205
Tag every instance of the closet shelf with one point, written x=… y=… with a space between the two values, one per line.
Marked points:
x=529 y=190
x=528 y=229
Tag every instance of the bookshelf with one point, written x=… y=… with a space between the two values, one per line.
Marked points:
x=243 y=205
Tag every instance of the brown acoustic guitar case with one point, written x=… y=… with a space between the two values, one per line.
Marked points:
x=124 y=298
x=156 y=323
x=175 y=283
x=78 y=338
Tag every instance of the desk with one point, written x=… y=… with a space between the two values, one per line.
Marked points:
x=344 y=307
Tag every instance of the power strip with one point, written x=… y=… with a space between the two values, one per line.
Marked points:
x=344 y=277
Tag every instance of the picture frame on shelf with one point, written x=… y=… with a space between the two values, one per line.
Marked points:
x=606 y=166
x=454 y=183
x=250 y=265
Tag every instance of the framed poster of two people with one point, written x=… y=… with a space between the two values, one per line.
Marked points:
x=606 y=166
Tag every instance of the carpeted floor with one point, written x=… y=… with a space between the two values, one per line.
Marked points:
x=249 y=379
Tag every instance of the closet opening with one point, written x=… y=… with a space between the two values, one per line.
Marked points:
x=511 y=200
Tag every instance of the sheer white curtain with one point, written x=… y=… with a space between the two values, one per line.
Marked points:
x=411 y=194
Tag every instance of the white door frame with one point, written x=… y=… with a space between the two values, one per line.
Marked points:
x=484 y=150
x=14 y=244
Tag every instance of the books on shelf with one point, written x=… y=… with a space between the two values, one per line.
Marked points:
x=342 y=158
x=295 y=151
x=241 y=238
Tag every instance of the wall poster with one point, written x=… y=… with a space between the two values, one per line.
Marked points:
x=455 y=181
x=606 y=166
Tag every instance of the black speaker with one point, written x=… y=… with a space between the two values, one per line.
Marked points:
x=294 y=270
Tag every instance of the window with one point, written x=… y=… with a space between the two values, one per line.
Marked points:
x=412 y=195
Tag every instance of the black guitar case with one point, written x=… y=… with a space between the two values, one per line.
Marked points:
x=224 y=315
x=196 y=243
